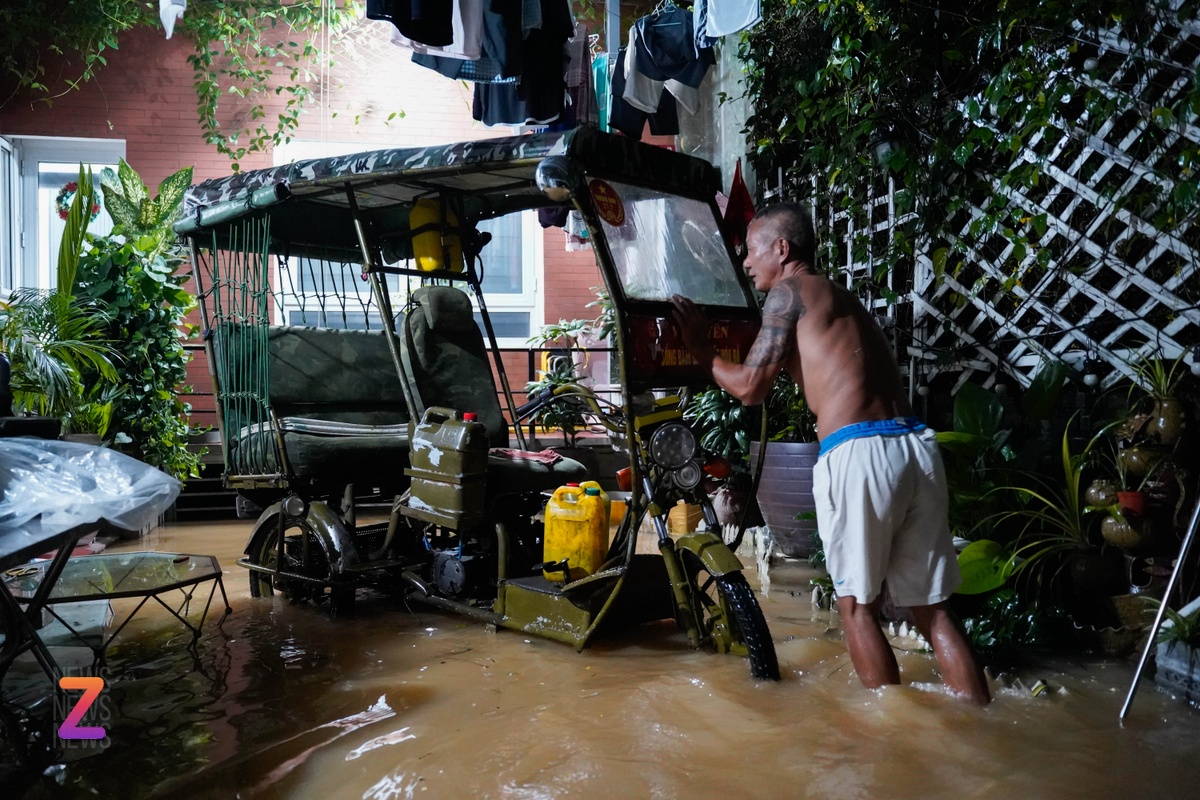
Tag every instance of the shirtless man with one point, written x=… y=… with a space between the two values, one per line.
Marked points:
x=879 y=484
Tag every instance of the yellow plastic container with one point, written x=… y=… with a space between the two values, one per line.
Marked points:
x=576 y=530
x=427 y=246
x=604 y=499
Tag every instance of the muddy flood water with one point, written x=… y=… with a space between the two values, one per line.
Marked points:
x=282 y=701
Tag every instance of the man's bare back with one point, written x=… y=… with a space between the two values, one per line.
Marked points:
x=833 y=349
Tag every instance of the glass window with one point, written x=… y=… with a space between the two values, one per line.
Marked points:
x=8 y=217
x=57 y=183
x=664 y=245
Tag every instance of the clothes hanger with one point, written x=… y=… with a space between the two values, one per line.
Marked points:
x=664 y=7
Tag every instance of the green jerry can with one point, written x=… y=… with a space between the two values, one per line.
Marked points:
x=576 y=531
x=448 y=456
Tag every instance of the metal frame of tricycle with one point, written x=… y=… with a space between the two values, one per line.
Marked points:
x=353 y=196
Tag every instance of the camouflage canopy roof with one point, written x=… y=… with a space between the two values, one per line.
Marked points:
x=308 y=202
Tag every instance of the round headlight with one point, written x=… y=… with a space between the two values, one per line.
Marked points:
x=673 y=445
x=688 y=476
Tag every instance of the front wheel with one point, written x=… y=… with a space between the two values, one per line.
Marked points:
x=729 y=614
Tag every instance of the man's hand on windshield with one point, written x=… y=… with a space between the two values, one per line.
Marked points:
x=693 y=327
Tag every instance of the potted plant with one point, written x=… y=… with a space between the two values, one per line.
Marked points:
x=1160 y=379
x=53 y=339
x=1178 y=655
x=785 y=488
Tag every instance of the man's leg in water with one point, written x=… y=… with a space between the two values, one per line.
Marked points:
x=961 y=672
x=873 y=658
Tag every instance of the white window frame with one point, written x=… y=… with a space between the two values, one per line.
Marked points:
x=33 y=151
x=10 y=219
x=530 y=300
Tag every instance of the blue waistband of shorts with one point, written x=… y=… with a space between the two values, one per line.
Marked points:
x=878 y=427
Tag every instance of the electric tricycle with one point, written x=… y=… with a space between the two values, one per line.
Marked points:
x=352 y=352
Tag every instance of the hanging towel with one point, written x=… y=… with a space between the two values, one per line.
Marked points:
x=600 y=79
x=169 y=11
x=730 y=16
x=740 y=209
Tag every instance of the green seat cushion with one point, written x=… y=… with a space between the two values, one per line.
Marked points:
x=320 y=448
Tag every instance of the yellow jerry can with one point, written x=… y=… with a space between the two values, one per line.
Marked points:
x=576 y=531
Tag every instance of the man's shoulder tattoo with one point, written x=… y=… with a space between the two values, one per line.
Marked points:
x=784 y=301
x=783 y=308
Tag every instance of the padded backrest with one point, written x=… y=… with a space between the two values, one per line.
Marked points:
x=329 y=366
x=448 y=359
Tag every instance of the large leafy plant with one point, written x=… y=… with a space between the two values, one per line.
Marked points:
x=134 y=276
x=52 y=338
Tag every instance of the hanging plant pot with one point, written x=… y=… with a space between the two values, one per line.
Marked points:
x=1101 y=492
x=1166 y=421
x=1125 y=533
x=1137 y=461
x=1132 y=503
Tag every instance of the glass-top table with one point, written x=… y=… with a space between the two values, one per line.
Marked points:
x=113 y=576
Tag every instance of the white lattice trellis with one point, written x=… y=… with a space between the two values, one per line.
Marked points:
x=1110 y=284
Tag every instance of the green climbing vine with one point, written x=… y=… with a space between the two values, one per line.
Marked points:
x=247 y=52
x=955 y=102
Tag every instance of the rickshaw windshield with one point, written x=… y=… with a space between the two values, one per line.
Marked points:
x=663 y=244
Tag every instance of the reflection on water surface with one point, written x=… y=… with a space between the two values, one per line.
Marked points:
x=284 y=702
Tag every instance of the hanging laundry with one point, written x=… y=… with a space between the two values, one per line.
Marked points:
x=700 y=25
x=578 y=235
x=429 y=22
x=467 y=25
x=581 y=108
x=644 y=92
x=600 y=71
x=169 y=11
x=501 y=46
x=553 y=216
x=740 y=208
x=666 y=48
x=629 y=119
x=537 y=98
x=730 y=16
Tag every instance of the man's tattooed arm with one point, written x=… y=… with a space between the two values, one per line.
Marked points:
x=782 y=310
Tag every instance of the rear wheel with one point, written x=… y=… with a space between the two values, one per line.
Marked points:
x=302 y=555
x=729 y=614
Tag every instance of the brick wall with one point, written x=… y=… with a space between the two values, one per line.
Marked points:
x=146 y=97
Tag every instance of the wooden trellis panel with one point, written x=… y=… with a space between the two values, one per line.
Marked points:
x=1114 y=286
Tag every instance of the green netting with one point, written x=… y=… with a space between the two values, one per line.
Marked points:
x=236 y=297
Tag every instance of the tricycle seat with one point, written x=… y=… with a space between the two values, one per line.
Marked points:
x=333 y=402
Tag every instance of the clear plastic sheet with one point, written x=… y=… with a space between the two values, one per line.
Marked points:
x=48 y=487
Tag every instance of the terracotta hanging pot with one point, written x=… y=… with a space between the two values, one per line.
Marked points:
x=1132 y=503
x=1100 y=492
x=1166 y=421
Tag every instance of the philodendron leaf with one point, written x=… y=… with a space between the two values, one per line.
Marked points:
x=977 y=411
x=984 y=567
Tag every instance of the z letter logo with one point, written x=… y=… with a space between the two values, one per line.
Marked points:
x=70 y=728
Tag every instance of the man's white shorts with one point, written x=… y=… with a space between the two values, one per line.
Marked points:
x=881 y=500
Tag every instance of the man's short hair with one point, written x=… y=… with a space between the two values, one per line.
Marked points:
x=793 y=222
